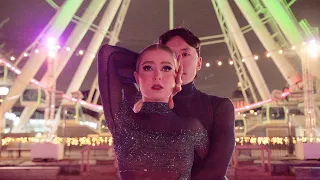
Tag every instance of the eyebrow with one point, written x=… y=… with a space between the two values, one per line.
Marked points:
x=152 y=62
x=166 y=62
x=146 y=62
x=185 y=49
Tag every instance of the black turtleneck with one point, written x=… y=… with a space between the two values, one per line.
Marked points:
x=187 y=89
x=216 y=114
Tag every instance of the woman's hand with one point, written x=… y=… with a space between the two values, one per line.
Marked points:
x=177 y=88
x=179 y=72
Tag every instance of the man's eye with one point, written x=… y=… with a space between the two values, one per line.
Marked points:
x=185 y=54
x=167 y=68
x=147 y=68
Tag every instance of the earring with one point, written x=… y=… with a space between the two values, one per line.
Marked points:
x=137 y=86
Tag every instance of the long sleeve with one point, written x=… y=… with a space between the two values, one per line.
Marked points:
x=222 y=144
x=115 y=76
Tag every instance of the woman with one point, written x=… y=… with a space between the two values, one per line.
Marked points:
x=151 y=141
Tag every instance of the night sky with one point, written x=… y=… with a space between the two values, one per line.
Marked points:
x=145 y=21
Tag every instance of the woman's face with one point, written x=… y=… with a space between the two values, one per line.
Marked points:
x=156 y=75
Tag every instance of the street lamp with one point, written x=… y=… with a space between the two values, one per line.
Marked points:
x=313 y=49
x=4 y=91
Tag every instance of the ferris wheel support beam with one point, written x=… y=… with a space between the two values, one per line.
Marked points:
x=244 y=80
x=244 y=49
x=93 y=46
x=309 y=105
x=274 y=29
x=286 y=23
x=24 y=118
x=293 y=33
x=32 y=66
x=215 y=39
x=291 y=30
x=76 y=36
x=94 y=91
x=76 y=19
x=92 y=50
x=287 y=70
x=310 y=68
x=64 y=55
x=171 y=15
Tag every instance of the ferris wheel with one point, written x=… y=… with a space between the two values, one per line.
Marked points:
x=272 y=21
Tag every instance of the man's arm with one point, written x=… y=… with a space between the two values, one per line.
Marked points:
x=115 y=73
x=221 y=144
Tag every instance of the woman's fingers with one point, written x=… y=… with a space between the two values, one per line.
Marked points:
x=177 y=88
x=171 y=103
x=137 y=106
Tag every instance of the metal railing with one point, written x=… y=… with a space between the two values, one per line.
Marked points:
x=87 y=149
x=261 y=148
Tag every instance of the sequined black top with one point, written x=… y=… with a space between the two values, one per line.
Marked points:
x=215 y=113
x=154 y=143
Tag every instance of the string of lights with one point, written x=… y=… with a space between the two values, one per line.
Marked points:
x=256 y=56
x=26 y=54
x=275 y=140
x=96 y=141
x=69 y=141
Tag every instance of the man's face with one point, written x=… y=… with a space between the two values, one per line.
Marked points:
x=190 y=60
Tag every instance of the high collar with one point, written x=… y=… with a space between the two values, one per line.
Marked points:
x=155 y=108
x=187 y=89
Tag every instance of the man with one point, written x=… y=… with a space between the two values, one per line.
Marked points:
x=216 y=114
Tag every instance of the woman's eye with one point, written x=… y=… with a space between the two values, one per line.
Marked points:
x=147 y=68
x=166 y=68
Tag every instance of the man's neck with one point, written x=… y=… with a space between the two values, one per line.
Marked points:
x=187 y=89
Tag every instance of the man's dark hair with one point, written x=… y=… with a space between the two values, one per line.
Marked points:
x=183 y=33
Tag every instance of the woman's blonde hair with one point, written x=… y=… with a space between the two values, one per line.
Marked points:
x=156 y=47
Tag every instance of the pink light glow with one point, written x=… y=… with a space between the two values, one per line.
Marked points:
x=255 y=105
